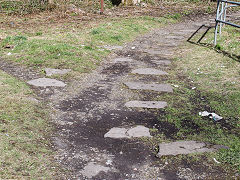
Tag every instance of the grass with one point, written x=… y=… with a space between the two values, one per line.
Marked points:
x=215 y=80
x=207 y=81
x=25 y=150
x=79 y=49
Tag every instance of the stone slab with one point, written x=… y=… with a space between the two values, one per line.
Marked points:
x=135 y=132
x=161 y=62
x=122 y=59
x=110 y=48
x=149 y=71
x=46 y=82
x=183 y=147
x=152 y=86
x=50 y=71
x=159 y=52
x=117 y=133
x=138 y=131
x=146 y=104
x=92 y=169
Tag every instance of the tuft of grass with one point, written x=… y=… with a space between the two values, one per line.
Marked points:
x=25 y=151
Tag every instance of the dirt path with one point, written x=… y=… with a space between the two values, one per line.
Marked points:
x=91 y=108
x=85 y=111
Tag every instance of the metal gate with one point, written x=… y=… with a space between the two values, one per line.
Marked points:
x=222 y=6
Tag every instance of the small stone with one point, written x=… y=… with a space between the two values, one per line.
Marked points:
x=46 y=82
x=149 y=71
x=153 y=87
x=50 y=71
x=146 y=104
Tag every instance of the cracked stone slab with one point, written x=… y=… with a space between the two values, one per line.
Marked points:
x=92 y=169
x=161 y=62
x=135 y=132
x=122 y=59
x=183 y=147
x=152 y=86
x=46 y=82
x=146 y=104
x=50 y=71
x=149 y=71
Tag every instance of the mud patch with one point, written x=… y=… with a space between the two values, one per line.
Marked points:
x=116 y=69
x=85 y=101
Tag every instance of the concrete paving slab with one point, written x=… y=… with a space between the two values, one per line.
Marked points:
x=161 y=62
x=149 y=71
x=146 y=104
x=152 y=86
x=92 y=169
x=139 y=131
x=46 y=82
x=122 y=59
x=159 y=52
x=117 y=133
x=50 y=71
x=134 y=132
x=110 y=48
x=182 y=147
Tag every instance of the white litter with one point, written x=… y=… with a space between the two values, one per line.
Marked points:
x=133 y=47
x=9 y=54
x=193 y=87
x=213 y=116
x=176 y=86
x=216 y=161
x=109 y=162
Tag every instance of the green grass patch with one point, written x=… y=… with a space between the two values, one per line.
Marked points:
x=25 y=149
x=78 y=49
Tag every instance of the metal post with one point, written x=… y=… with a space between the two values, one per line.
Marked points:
x=102 y=6
x=221 y=16
x=225 y=12
x=216 y=26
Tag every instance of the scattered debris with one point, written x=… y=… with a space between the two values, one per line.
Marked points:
x=9 y=54
x=213 y=116
x=176 y=86
x=193 y=87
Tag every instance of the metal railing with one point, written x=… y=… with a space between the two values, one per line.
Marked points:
x=222 y=6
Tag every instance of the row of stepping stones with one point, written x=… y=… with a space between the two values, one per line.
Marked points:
x=173 y=148
x=180 y=147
